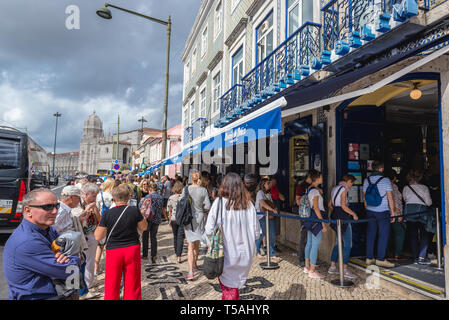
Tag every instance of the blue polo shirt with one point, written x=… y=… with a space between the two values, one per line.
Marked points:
x=29 y=264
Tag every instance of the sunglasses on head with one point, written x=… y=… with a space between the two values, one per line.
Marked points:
x=46 y=207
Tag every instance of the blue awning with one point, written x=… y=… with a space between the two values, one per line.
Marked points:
x=259 y=127
x=172 y=160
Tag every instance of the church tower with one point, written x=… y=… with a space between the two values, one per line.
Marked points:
x=89 y=148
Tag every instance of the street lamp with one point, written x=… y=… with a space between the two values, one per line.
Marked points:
x=57 y=115
x=105 y=13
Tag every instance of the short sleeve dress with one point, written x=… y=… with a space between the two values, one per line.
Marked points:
x=200 y=204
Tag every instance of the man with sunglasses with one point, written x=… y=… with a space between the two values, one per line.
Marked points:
x=28 y=260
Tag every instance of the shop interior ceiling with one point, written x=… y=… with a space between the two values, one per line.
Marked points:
x=399 y=106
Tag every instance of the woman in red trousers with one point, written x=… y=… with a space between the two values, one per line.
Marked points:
x=119 y=225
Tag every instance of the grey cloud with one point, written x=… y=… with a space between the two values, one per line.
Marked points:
x=94 y=65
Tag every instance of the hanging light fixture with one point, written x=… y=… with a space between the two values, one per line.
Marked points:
x=415 y=94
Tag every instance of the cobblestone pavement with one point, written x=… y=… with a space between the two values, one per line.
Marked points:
x=165 y=280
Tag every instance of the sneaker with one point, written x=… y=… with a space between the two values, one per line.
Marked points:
x=424 y=261
x=90 y=295
x=415 y=261
x=385 y=264
x=190 y=276
x=316 y=275
x=275 y=259
x=260 y=256
x=306 y=270
x=333 y=270
x=348 y=274
x=369 y=262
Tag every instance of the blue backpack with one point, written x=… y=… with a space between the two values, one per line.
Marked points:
x=103 y=206
x=372 y=195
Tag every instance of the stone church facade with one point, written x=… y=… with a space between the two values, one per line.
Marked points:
x=97 y=151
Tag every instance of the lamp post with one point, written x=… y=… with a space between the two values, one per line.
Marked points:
x=57 y=115
x=105 y=13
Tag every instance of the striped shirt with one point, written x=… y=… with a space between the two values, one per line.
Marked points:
x=383 y=186
x=411 y=198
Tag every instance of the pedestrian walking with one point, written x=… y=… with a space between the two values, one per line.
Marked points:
x=417 y=199
x=339 y=208
x=264 y=203
x=194 y=232
x=314 y=229
x=166 y=192
x=377 y=186
x=119 y=226
x=153 y=223
x=104 y=202
x=240 y=231
x=136 y=194
x=29 y=263
x=145 y=187
x=89 y=208
x=178 y=230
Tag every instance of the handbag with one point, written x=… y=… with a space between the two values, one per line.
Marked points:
x=214 y=258
x=146 y=208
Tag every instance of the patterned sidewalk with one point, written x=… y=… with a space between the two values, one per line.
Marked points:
x=165 y=280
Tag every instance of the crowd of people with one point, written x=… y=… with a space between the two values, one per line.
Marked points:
x=119 y=219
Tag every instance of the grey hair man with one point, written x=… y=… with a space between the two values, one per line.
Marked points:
x=70 y=198
x=89 y=210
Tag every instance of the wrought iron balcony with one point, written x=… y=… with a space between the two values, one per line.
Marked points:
x=199 y=127
x=288 y=63
x=429 y=4
x=188 y=135
x=229 y=100
x=348 y=24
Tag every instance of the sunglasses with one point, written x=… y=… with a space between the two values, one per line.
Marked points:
x=46 y=207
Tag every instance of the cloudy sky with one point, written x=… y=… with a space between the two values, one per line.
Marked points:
x=112 y=66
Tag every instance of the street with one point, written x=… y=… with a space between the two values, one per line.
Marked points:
x=4 y=238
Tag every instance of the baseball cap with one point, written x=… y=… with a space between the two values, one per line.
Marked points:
x=71 y=191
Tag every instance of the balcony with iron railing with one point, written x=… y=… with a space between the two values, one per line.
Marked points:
x=199 y=128
x=430 y=4
x=188 y=135
x=346 y=26
x=288 y=63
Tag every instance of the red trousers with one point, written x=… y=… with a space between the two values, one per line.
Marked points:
x=124 y=261
x=229 y=293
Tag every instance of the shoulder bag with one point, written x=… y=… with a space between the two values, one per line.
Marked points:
x=214 y=258
x=115 y=225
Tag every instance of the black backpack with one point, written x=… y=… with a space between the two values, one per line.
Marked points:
x=184 y=209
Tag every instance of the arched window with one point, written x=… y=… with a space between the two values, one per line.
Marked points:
x=125 y=155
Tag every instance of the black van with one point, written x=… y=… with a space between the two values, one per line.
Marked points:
x=13 y=177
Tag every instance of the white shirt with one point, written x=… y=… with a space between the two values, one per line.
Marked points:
x=261 y=196
x=108 y=202
x=241 y=229
x=63 y=220
x=337 y=198
x=315 y=193
x=411 y=198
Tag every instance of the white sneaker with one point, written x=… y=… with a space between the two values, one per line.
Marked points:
x=333 y=270
x=348 y=274
x=90 y=295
